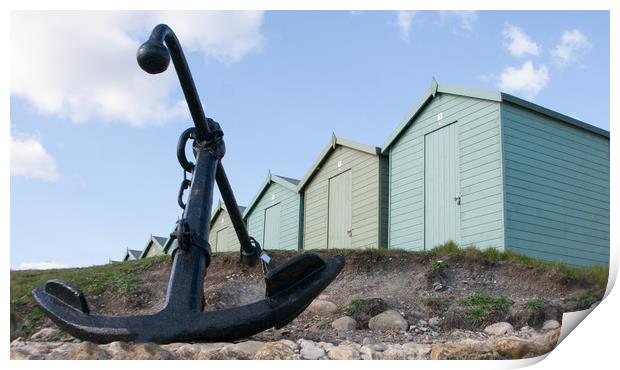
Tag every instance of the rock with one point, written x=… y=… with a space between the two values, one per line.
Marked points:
x=281 y=350
x=345 y=351
x=516 y=348
x=344 y=323
x=142 y=351
x=388 y=320
x=117 y=350
x=394 y=352
x=434 y=334
x=182 y=351
x=207 y=352
x=21 y=350
x=550 y=324
x=416 y=351
x=415 y=315
x=407 y=351
x=322 y=308
x=60 y=352
x=47 y=335
x=362 y=310
x=467 y=349
x=434 y=321
x=86 y=351
x=368 y=340
x=149 y=351
x=16 y=327
x=437 y=286
x=242 y=351
x=422 y=323
x=369 y=353
x=499 y=328
x=310 y=350
x=548 y=340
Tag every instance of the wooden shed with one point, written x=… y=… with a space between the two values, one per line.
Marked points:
x=222 y=236
x=131 y=255
x=345 y=197
x=492 y=170
x=154 y=247
x=272 y=217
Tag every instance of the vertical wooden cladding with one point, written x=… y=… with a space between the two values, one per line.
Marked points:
x=272 y=217
x=476 y=125
x=222 y=236
x=366 y=170
x=557 y=188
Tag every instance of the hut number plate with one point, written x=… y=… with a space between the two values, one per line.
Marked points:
x=439 y=117
x=339 y=164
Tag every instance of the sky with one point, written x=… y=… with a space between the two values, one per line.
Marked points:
x=93 y=137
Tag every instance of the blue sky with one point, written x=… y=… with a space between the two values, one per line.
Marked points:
x=93 y=167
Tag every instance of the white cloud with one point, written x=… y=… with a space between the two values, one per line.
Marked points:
x=405 y=20
x=519 y=43
x=30 y=159
x=81 y=65
x=465 y=18
x=40 y=266
x=527 y=79
x=573 y=46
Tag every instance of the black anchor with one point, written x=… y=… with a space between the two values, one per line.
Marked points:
x=290 y=287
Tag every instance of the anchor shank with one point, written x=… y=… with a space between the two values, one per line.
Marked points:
x=192 y=258
x=197 y=213
x=185 y=287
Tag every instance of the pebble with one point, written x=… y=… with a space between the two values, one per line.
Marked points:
x=495 y=347
x=388 y=320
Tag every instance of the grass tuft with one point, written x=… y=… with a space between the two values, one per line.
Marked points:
x=585 y=300
x=536 y=304
x=355 y=309
x=430 y=301
x=437 y=267
x=481 y=306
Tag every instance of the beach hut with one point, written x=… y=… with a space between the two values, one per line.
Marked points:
x=222 y=236
x=132 y=255
x=345 y=197
x=154 y=247
x=272 y=217
x=489 y=169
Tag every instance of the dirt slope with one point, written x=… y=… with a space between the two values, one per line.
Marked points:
x=419 y=286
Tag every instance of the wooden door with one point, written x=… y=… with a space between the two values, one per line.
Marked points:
x=442 y=213
x=271 y=235
x=339 y=215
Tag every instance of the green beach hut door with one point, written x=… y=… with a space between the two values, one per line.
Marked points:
x=271 y=236
x=220 y=239
x=442 y=198
x=339 y=216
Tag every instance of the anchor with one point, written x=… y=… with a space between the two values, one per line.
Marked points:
x=290 y=287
